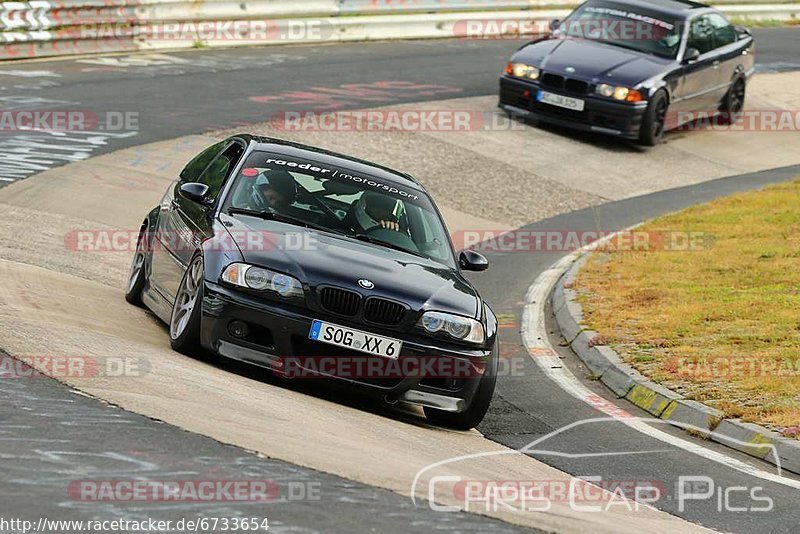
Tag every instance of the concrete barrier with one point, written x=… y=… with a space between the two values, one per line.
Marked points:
x=42 y=28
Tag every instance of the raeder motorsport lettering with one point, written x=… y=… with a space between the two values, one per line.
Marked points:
x=311 y=167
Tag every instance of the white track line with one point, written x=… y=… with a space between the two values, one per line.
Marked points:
x=535 y=339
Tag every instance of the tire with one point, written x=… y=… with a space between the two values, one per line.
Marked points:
x=733 y=102
x=474 y=414
x=184 y=322
x=136 y=276
x=652 y=129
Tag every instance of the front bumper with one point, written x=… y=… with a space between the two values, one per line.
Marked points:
x=278 y=339
x=518 y=97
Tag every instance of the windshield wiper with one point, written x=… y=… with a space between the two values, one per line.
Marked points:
x=368 y=239
x=275 y=216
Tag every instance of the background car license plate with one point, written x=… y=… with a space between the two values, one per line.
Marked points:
x=355 y=339
x=561 y=101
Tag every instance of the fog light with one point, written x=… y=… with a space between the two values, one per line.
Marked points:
x=238 y=329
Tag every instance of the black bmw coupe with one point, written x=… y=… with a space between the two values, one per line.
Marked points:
x=632 y=69
x=315 y=264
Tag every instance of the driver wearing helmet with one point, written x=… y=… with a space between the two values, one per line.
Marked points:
x=279 y=192
x=375 y=210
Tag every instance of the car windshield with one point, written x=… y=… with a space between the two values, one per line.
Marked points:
x=624 y=26
x=332 y=199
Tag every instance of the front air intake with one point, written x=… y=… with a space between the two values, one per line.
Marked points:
x=340 y=301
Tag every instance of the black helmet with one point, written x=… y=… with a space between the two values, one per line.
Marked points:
x=282 y=182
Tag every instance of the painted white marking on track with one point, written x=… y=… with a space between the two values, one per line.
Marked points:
x=31 y=73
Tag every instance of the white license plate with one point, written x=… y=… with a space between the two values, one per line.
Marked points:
x=561 y=101
x=355 y=339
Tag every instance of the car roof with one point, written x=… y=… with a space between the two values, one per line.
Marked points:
x=679 y=8
x=327 y=157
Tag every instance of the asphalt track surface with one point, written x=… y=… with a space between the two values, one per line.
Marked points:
x=209 y=90
x=51 y=435
x=181 y=93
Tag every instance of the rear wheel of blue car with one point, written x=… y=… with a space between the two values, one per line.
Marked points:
x=654 y=119
x=184 y=323
x=475 y=412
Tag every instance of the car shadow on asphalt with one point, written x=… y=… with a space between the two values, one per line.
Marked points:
x=328 y=389
x=597 y=140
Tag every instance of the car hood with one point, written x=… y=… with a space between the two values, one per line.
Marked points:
x=592 y=61
x=319 y=258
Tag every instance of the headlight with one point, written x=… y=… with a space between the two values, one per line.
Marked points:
x=619 y=93
x=604 y=89
x=521 y=70
x=260 y=279
x=458 y=327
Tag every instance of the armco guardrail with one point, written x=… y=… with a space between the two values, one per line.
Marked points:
x=361 y=7
x=49 y=28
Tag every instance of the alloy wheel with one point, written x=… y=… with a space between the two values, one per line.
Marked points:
x=186 y=299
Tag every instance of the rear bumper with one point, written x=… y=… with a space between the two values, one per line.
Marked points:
x=518 y=97
x=423 y=374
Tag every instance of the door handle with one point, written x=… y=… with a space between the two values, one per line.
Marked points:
x=716 y=64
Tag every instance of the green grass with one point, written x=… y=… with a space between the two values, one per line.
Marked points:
x=684 y=318
x=764 y=23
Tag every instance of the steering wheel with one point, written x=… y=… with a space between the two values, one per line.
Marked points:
x=256 y=201
x=303 y=192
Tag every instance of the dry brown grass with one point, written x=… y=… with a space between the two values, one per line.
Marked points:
x=720 y=324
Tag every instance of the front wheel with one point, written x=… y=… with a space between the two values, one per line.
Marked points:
x=655 y=117
x=733 y=103
x=474 y=414
x=136 y=277
x=184 y=323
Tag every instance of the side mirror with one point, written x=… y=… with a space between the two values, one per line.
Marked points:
x=554 y=24
x=469 y=260
x=691 y=55
x=195 y=192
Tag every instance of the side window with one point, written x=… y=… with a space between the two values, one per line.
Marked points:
x=192 y=171
x=216 y=173
x=701 y=35
x=724 y=34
